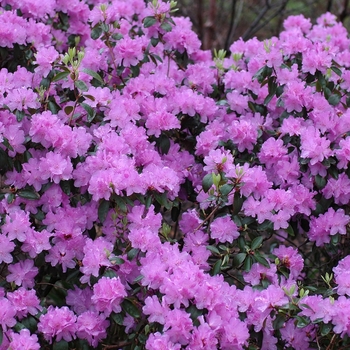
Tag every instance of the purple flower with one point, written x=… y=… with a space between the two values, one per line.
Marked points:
x=23 y=273
x=92 y=327
x=224 y=229
x=59 y=323
x=23 y=340
x=108 y=295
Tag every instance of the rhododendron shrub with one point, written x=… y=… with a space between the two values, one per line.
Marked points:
x=153 y=196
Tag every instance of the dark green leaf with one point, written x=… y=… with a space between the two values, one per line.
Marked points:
x=132 y=253
x=6 y=143
x=320 y=182
x=248 y=262
x=207 y=182
x=238 y=259
x=105 y=27
x=290 y=231
x=216 y=268
x=117 y=36
x=261 y=260
x=166 y=27
x=96 y=32
x=302 y=321
x=226 y=189
x=61 y=345
x=278 y=322
x=162 y=199
x=19 y=115
x=103 y=210
x=117 y=260
x=53 y=107
x=163 y=143
x=213 y=249
x=336 y=70
x=93 y=74
x=131 y=308
x=79 y=84
x=66 y=186
x=60 y=76
x=154 y=41
x=149 y=21
x=238 y=201
x=27 y=194
x=1 y=335
x=257 y=242
x=334 y=99
x=68 y=110
x=117 y=318
x=325 y=328
x=265 y=226
x=90 y=111
x=11 y=198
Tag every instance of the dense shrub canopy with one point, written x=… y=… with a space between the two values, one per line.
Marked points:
x=156 y=197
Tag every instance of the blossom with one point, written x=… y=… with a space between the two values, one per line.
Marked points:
x=342 y=276
x=23 y=273
x=23 y=340
x=108 y=294
x=224 y=229
x=92 y=327
x=59 y=323
x=7 y=313
x=25 y=302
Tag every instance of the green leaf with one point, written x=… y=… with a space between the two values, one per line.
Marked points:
x=166 y=27
x=68 y=109
x=103 y=210
x=162 y=199
x=53 y=107
x=132 y=253
x=66 y=186
x=96 y=32
x=117 y=318
x=326 y=328
x=320 y=182
x=155 y=41
x=290 y=231
x=61 y=345
x=163 y=143
x=336 y=70
x=207 y=182
x=248 y=262
x=19 y=115
x=27 y=194
x=334 y=99
x=302 y=321
x=1 y=335
x=257 y=242
x=278 y=322
x=213 y=249
x=117 y=260
x=149 y=21
x=6 y=143
x=60 y=76
x=237 y=203
x=238 y=259
x=226 y=189
x=130 y=308
x=261 y=260
x=90 y=111
x=79 y=84
x=93 y=74
x=217 y=267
